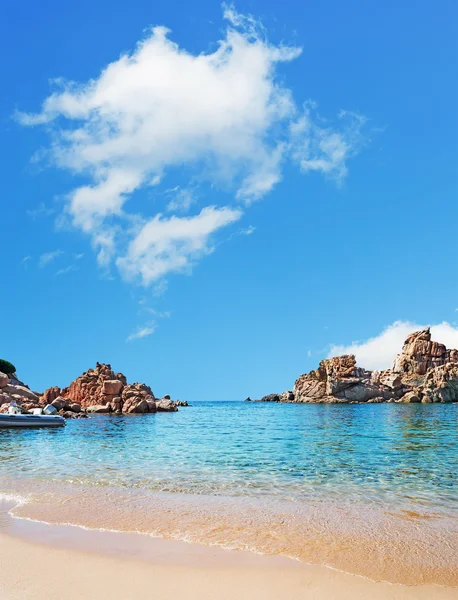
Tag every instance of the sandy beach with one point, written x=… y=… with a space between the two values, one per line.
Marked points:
x=43 y=562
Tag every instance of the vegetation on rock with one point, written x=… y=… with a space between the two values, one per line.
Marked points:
x=7 y=367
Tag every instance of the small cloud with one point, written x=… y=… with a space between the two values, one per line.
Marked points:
x=66 y=270
x=322 y=148
x=309 y=353
x=248 y=231
x=160 y=288
x=25 y=260
x=41 y=211
x=157 y=313
x=78 y=256
x=141 y=333
x=182 y=201
x=48 y=257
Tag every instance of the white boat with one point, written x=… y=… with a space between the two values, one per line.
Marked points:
x=18 y=420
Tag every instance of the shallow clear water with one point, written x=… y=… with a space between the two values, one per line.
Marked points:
x=227 y=448
x=366 y=488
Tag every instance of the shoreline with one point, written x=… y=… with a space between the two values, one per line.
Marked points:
x=354 y=540
x=43 y=561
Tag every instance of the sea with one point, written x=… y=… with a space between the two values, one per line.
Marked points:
x=370 y=489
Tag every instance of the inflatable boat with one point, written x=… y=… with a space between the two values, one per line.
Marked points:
x=17 y=420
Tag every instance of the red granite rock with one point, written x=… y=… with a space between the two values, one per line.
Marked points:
x=102 y=387
x=425 y=371
x=420 y=353
x=50 y=395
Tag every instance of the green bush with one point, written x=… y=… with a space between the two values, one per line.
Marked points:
x=6 y=367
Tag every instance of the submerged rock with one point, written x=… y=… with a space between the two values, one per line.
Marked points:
x=68 y=414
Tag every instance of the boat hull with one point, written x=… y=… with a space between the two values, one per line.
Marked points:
x=7 y=421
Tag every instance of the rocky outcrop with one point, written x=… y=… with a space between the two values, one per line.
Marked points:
x=441 y=384
x=270 y=398
x=339 y=379
x=89 y=388
x=50 y=395
x=420 y=354
x=12 y=389
x=98 y=409
x=137 y=398
x=101 y=391
x=19 y=392
x=166 y=405
x=4 y=380
x=425 y=371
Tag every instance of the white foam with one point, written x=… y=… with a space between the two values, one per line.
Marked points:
x=15 y=499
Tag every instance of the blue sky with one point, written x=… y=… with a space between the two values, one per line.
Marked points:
x=231 y=201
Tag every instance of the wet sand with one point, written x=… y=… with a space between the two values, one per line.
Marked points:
x=53 y=562
x=381 y=543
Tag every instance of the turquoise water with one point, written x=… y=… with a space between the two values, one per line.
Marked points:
x=369 y=452
x=371 y=489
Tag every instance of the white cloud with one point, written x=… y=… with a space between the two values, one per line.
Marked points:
x=66 y=270
x=164 y=245
x=223 y=118
x=446 y=333
x=48 y=257
x=158 y=314
x=159 y=288
x=141 y=333
x=327 y=149
x=379 y=352
x=155 y=316
x=162 y=106
x=248 y=230
x=181 y=202
x=104 y=241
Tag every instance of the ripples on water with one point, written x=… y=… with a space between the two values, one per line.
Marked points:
x=397 y=460
x=229 y=448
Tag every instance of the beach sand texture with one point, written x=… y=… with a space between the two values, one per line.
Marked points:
x=75 y=564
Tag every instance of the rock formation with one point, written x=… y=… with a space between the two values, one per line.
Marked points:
x=12 y=389
x=425 y=371
x=101 y=390
x=98 y=390
x=419 y=355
